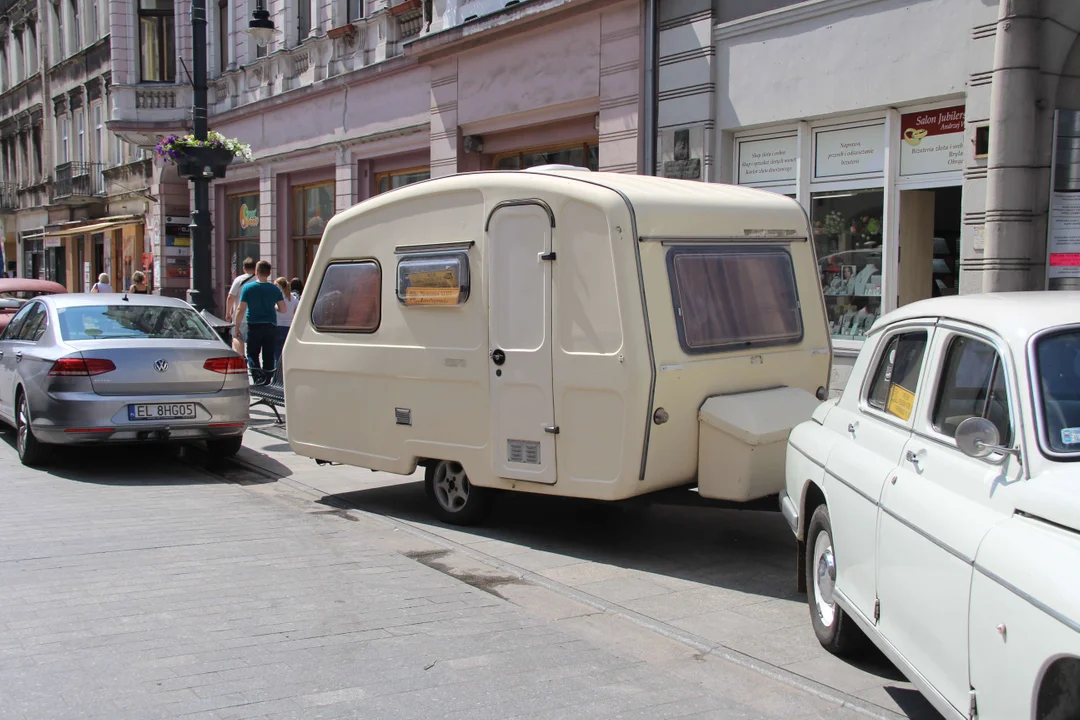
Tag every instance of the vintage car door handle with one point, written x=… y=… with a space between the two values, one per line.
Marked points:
x=913 y=457
x=18 y=356
x=852 y=427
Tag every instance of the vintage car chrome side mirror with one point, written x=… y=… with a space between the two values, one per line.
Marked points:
x=978 y=438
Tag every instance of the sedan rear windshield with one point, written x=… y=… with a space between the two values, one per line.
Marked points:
x=132 y=322
x=734 y=297
x=1057 y=362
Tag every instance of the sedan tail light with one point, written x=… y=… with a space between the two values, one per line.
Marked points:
x=80 y=367
x=233 y=365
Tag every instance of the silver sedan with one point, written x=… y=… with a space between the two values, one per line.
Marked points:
x=86 y=369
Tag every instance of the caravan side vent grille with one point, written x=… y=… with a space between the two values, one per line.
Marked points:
x=403 y=416
x=523 y=451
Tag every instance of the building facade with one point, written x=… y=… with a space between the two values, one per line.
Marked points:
x=918 y=135
x=64 y=212
x=357 y=97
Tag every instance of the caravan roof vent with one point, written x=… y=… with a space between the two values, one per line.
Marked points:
x=556 y=167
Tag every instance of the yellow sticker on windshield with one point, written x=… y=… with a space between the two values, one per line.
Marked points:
x=901 y=402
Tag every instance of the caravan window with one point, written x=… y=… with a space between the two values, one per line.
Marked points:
x=426 y=280
x=349 y=298
x=734 y=297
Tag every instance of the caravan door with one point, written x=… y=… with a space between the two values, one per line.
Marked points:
x=519 y=316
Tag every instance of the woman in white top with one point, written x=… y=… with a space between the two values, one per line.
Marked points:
x=102 y=285
x=284 y=319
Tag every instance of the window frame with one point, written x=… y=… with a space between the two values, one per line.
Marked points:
x=76 y=26
x=97 y=113
x=941 y=364
x=8 y=335
x=390 y=174
x=166 y=44
x=464 y=280
x=61 y=44
x=335 y=330
x=886 y=337
x=349 y=18
x=1037 y=400
x=584 y=145
x=40 y=330
x=721 y=248
x=79 y=116
x=63 y=129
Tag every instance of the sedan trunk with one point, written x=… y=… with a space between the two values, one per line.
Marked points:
x=155 y=367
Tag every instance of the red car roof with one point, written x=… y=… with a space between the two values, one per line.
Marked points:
x=8 y=285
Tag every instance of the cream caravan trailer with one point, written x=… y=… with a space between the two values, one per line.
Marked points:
x=560 y=331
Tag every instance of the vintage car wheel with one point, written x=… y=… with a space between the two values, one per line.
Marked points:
x=836 y=632
x=31 y=452
x=454 y=499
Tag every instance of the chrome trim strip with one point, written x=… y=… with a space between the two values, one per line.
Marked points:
x=434 y=247
x=806 y=455
x=787 y=509
x=947 y=548
x=1038 y=604
x=857 y=491
x=518 y=203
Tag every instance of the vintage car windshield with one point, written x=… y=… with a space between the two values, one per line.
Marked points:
x=129 y=322
x=1057 y=364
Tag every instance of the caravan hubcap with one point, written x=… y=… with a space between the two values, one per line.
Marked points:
x=451 y=486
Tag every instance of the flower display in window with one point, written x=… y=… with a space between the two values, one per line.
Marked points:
x=833 y=224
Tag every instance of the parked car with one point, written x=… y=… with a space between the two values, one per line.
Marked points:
x=15 y=292
x=937 y=503
x=88 y=369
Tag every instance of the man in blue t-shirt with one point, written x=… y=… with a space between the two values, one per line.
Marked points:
x=259 y=304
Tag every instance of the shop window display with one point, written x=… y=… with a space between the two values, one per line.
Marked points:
x=848 y=241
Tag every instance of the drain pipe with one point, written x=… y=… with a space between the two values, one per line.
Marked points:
x=1011 y=174
x=648 y=122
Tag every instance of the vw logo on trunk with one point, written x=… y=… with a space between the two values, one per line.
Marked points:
x=161 y=365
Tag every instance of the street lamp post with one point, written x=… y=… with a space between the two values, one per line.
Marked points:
x=200 y=295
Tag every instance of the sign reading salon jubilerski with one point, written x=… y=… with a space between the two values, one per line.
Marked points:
x=932 y=141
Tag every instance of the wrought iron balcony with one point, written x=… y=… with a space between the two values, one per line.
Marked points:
x=78 y=180
x=9 y=198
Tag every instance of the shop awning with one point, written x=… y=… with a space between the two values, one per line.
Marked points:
x=101 y=226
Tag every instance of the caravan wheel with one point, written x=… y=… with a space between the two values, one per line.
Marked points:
x=454 y=499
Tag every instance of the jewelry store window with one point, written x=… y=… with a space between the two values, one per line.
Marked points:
x=848 y=241
x=585 y=155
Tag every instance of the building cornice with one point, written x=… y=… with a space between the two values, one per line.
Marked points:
x=784 y=16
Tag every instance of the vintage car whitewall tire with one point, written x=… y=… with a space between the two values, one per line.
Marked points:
x=836 y=632
x=453 y=498
x=31 y=452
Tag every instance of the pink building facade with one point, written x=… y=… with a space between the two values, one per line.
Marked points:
x=362 y=105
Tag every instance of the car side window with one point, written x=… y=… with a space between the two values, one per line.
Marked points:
x=34 y=326
x=11 y=332
x=972 y=384
x=896 y=378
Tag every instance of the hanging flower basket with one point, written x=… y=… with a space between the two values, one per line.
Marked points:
x=194 y=157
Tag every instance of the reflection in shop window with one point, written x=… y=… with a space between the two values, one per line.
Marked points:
x=243 y=231
x=400 y=178
x=848 y=241
x=313 y=206
x=586 y=155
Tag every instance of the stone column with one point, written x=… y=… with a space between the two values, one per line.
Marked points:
x=1010 y=261
x=268 y=214
x=686 y=92
x=346 y=181
x=620 y=73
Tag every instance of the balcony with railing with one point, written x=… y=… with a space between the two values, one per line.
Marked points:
x=78 y=182
x=9 y=198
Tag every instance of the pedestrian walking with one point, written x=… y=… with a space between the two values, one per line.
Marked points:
x=285 y=318
x=248 y=276
x=102 y=285
x=138 y=284
x=260 y=301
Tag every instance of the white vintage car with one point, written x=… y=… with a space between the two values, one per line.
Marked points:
x=937 y=503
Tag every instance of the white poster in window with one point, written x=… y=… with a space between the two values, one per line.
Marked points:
x=932 y=141
x=850 y=151
x=767 y=161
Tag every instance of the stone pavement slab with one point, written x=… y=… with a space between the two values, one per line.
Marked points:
x=134 y=585
x=724 y=577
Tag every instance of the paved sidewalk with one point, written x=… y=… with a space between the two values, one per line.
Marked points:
x=724 y=579
x=134 y=586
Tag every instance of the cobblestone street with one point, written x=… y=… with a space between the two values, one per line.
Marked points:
x=133 y=584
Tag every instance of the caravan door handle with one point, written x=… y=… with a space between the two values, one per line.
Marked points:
x=498 y=356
